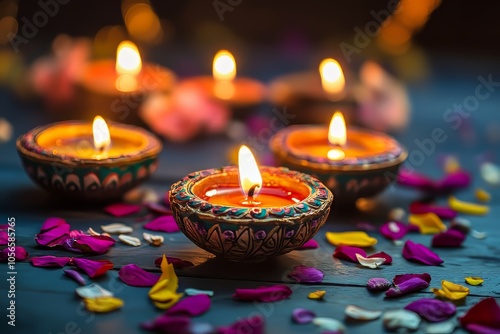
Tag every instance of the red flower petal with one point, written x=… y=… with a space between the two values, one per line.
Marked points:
x=303 y=316
x=348 y=253
x=49 y=261
x=441 y=211
x=252 y=325
x=98 y=244
x=168 y=325
x=122 y=209
x=190 y=306
x=449 y=238
x=93 y=268
x=433 y=310
x=303 y=274
x=310 y=244
x=158 y=208
x=19 y=252
x=4 y=238
x=398 y=279
x=419 y=253
x=175 y=261
x=393 y=230
x=484 y=317
x=133 y=275
x=387 y=257
x=411 y=285
x=264 y=293
x=76 y=276
x=163 y=224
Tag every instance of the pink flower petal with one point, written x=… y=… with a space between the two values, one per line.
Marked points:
x=264 y=293
x=252 y=325
x=378 y=284
x=303 y=316
x=398 y=279
x=483 y=317
x=364 y=226
x=175 y=261
x=163 y=224
x=83 y=243
x=433 y=310
x=51 y=223
x=122 y=209
x=310 y=244
x=411 y=285
x=20 y=253
x=75 y=275
x=348 y=253
x=303 y=274
x=168 y=325
x=49 y=261
x=133 y=275
x=419 y=253
x=4 y=238
x=158 y=208
x=393 y=230
x=441 y=211
x=53 y=235
x=449 y=238
x=387 y=257
x=450 y=182
x=453 y=181
x=93 y=268
x=190 y=306
x=415 y=180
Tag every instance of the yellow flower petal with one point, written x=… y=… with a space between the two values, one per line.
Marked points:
x=451 y=291
x=103 y=304
x=428 y=223
x=466 y=207
x=482 y=195
x=357 y=239
x=164 y=293
x=451 y=165
x=474 y=280
x=318 y=294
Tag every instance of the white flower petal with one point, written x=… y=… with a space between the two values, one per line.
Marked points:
x=358 y=313
x=372 y=263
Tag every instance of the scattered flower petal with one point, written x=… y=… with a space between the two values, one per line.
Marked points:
x=449 y=183
x=190 y=306
x=428 y=223
x=102 y=304
x=355 y=238
x=378 y=284
x=53 y=222
x=122 y=209
x=393 y=230
x=310 y=244
x=467 y=207
x=93 y=268
x=129 y=240
x=252 y=325
x=178 y=263
x=401 y=319
x=449 y=238
x=4 y=238
x=117 y=228
x=490 y=173
x=304 y=274
x=461 y=224
x=163 y=224
x=20 y=254
x=419 y=253
x=441 y=211
x=54 y=232
x=168 y=325
x=451 y=291
x=364 y=226
x=358 y=313
x=194 y=292
x=348 y=253
x=164 y=293
x=398 y=279
x=83 y=243
x=406 y=287
x=385 y=256
x=433 y=310
x=483 y=317
x=453 y=181
x=93 y=290
x=133 y=275
x=482 y=195
x=474 y=280
x=445 y=327
x=49 y=261
x=152 y=239
x=397 y=214
x=451 y=165
x=478 y=235
x=158 y=208
x=372 y=263
x=76 y=276
x=315 y=295
x=264 y=293
x=329 y=324
x=303 y=316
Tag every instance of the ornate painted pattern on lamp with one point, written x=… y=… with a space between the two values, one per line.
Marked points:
x=249 y=234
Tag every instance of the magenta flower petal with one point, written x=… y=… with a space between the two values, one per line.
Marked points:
x=483 y=317
x=304 y=274
x=54 y=236
x=433 y=310
x=168 y=325
x=449 y=238
x=415 y=180
x=453 y=181
x=419 y=253
x=190 y=306
x=449 y=183
x=393 y=230
x=264 y=293
x=175 y=261
x=98 y=244
x=158 y=208
x=387 y=257
x=76 y=276
x=93 y=268
x=348 y=253
x=411 y=285
x=310 y=244
x=49 y=261
x=133 y=275
x=252 y=325
x=122 y=209
x=163 y=224
x=441 y=211
x=51 y=223
x=303 y=316
x=398 y=279
x=4 y=238
x=20 y=253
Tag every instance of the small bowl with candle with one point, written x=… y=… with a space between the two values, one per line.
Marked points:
x=247 y=213
x=81 y=160
x=353 y=162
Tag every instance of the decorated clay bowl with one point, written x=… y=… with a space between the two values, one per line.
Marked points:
x=249 y=234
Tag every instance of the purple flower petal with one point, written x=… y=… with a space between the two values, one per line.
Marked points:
x=190 y=306
x=264 y=293
x=303 y=316
x=122 y=209
x=483 y=317
x=441 y=211
x=364 y=226
x=76 y=276
x=51 y=223
x=419 y=253
x=163 y=224
x=158 y=208
x=49 y=261
x=387 y=257
x=304 y=274
x=310 y=244
x=252 y=325
x=133 y=275
x=54 y=235
x=348 y=253
x=449 y=238
x=83 y=243
x=378 y=284
x=453 y=181
x=175 y=261
x=433 y=310
x=168 y=325
x=393 y=230
x=411 y=285
x=412 y=179
x=398 y=279
x=4 y=238
x=450 y=182
x=20 y=253
x=93 y=268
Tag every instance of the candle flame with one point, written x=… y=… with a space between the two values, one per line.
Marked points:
x=100 y=129
x=337 y=133
x=332 y=76
x=128 y=59
x=224 y=66
x=249 y=173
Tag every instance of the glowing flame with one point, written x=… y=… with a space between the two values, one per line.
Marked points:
x=250 y=178
x=224 y=67
x=128 y=59
x=332 y=77
x=100 y=129
x=337 y=135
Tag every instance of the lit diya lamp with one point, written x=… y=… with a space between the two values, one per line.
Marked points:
x=89 y=161
x=247 y=213
x=354 y=163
